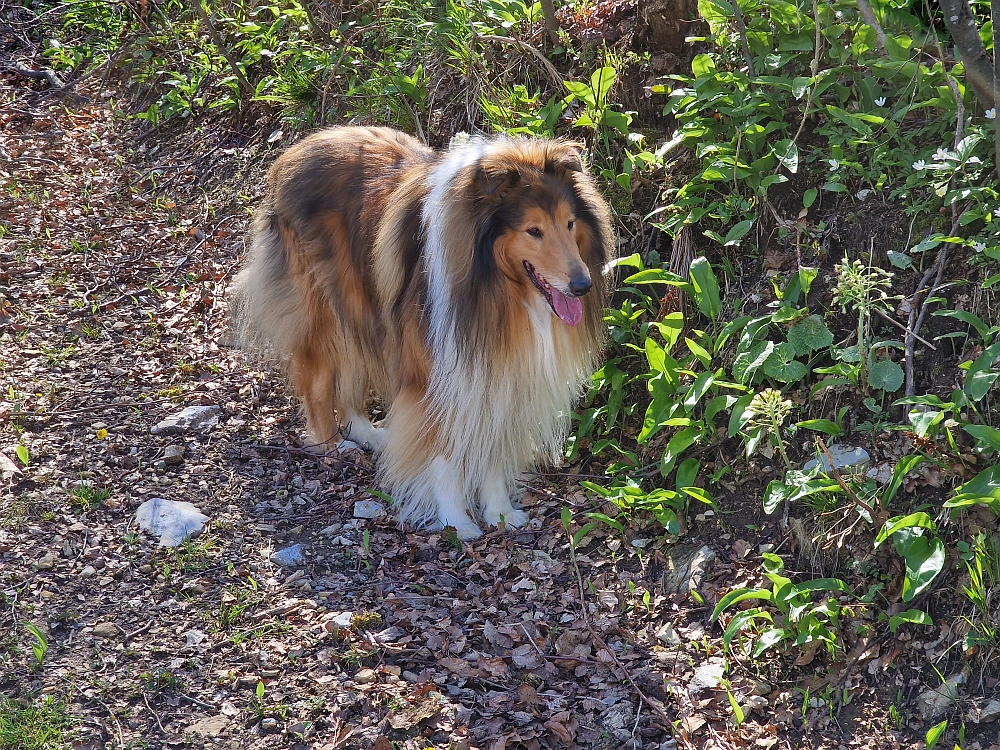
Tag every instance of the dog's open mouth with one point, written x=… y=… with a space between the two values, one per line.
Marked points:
x=567 y=308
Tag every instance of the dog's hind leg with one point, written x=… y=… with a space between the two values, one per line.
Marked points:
x=315 y=379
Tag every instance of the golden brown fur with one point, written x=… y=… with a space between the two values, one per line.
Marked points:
x=450 y=285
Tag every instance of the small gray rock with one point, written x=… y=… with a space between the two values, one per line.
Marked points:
x=990 y=712
x=173 y=455
x=935 y=702
x=708 y=675
x=686 y=567
x=88 y=571
x=667 y=635
x=46 y=561
x=172 y=521
x=289 y=557
x=368 y=509
x=193 y=418
x=106 y=630
x=843 y=457
x=365 y=676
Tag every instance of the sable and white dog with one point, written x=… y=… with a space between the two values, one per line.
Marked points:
x=464 y=288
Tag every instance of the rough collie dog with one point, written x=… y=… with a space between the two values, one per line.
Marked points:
x=464 y=288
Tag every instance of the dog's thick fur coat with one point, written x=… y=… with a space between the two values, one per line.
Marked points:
x=464 y=288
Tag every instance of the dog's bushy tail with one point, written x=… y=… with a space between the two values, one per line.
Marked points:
x=262 y=299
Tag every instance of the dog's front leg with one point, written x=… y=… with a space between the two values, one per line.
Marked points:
x=450 y=496
x=494 y=499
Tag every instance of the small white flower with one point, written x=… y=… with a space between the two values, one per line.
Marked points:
x=991 y=113
x=880 y=102
x=941 y=154
x=834 y=165
x=979 y=247
x=919 y=164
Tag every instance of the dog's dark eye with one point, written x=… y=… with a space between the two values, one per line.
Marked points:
x=534 y=231
x=572 y=223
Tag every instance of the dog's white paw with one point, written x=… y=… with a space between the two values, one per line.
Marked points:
x=465 y=530
x=347 y=445
x=510 y=517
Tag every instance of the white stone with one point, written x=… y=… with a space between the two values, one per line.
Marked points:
x=190 y=419
x=368 y=509
x=843 y=457
x=172 y=521
x=289 y=556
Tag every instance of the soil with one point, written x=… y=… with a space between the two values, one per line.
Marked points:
x=119 y=243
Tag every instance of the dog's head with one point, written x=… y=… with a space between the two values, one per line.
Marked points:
x=539 y=230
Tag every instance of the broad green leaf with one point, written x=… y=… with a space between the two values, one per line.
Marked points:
x=656 y=276
x=738 y=715
x=885 y=375
x=686 y=473
x=22 y=453
x=746 y=363
x=606 y=519
x=966 y=317
x=809 y=334
x=912 y=616
x=783 y=366
x=923 y=421
x=924 y=556
x=918 y=520
x=822 y=425
x=854 y=122
x=739 y=595
x=809 y=197
x=740 y=622
x=771 y=637
x=776 y=492
x=736 y=233
x=677 y=445
x=702 y=65
x=986 y=436
x=933 y=735
x=706 y=288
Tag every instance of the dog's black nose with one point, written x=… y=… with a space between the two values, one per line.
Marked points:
x=580 y=285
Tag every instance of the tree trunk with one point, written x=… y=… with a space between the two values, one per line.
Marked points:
x=551 y=22
x=663 y=26
x=964 y=32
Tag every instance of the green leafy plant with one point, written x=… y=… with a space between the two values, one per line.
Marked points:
x=40 y=646
x=793 y=616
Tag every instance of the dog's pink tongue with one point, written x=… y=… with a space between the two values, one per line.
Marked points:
x=569 y=309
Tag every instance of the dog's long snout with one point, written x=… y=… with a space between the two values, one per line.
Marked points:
x=580 y=283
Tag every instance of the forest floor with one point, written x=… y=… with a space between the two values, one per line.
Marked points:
x=117 y=248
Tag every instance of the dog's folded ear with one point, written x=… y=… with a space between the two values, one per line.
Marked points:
x=565 y=155
x=497 y=177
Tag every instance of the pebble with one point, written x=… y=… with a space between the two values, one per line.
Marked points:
x=106 y=630
x=172 y=520
x=843 y=456
x=46 y=562
x=173 y=455
x=667 y=635
x=268 y=724
x=991 y=712
x=368 y=509
x=289 y=556
x=88 y=571
x=365 y=676
x=190 y=419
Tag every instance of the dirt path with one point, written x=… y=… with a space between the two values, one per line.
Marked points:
x=113 y=264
